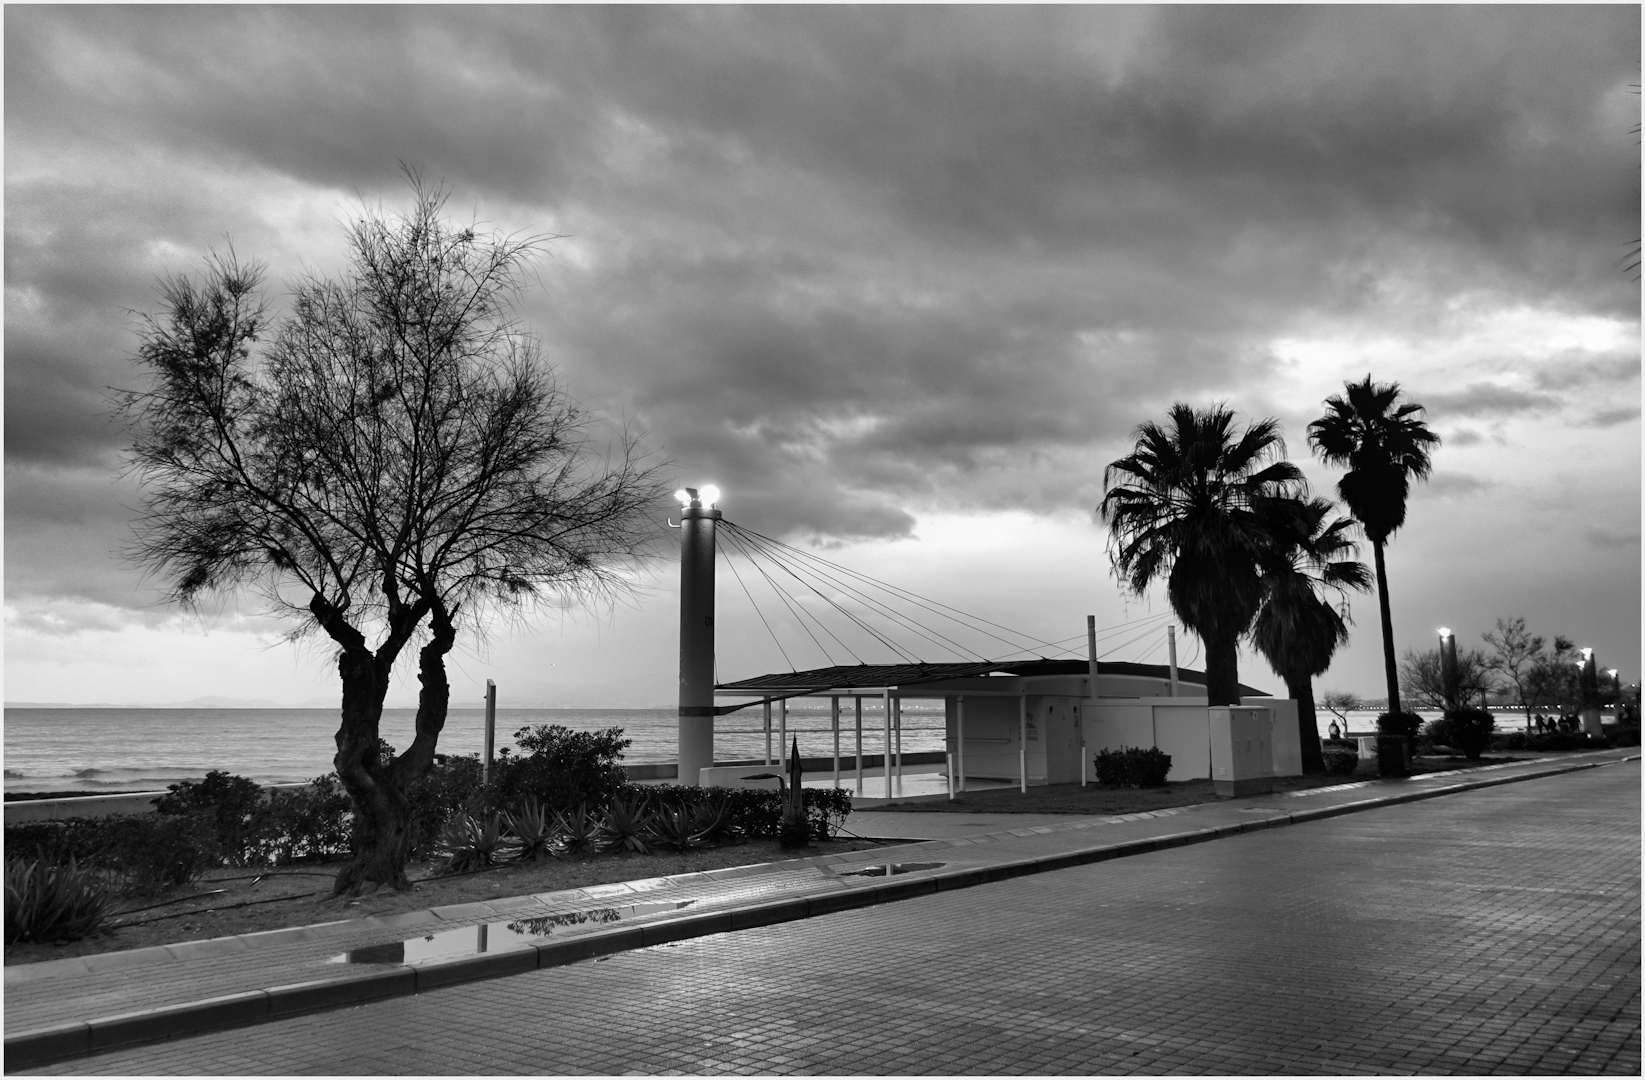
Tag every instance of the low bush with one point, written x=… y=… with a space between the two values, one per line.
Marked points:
x=1624 y=735
x=1340 y=760
x=134 y=854
x=309 y=824
x=624 y=827
x=1563 y=740
x=1469 y=731
x=1131 y=766
x=1508 y=740
x=750 y=811
x=232 y=807
x=450 y=788
x=560 y=767
x=47 y=901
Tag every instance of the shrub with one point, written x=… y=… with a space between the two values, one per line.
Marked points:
x=1340 y=760
x=1435 y=734
x=749 y=811
x=1509 y=740
x=136 y=854
x=232 y=807
x=1470 y=731
x=1624 y=735
x=48 y=901
x=1563 y=740
x=1131 y=766
x=315 y=822
x=1405 y=725
x=676 y=827
x=561 y=767
x=450 y=788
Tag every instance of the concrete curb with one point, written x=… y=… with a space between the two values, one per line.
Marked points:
x=83 y=1037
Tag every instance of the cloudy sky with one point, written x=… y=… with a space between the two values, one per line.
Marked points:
x=900 y=280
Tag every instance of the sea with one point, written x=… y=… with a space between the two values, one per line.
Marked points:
x=126 y=749
x=123 y=749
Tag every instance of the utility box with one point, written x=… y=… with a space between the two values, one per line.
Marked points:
x=1242 y=749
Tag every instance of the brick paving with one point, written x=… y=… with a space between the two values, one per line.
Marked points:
x=1494 y=931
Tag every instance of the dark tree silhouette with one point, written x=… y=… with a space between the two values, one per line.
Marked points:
x=1193 y=504
x=389 y=463
x=1297 y=629
x=1384 y=444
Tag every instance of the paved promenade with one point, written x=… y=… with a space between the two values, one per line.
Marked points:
x=1491 y=930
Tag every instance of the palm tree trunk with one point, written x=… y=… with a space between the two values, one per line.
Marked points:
x=1302 y=692
x=1389 y=669
x=1221 y=668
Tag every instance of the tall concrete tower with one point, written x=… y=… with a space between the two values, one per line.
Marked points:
x=698 y=514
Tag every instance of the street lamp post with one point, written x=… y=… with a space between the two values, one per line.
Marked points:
x=1448 y=668
x=698 y=515
x=1588 y=685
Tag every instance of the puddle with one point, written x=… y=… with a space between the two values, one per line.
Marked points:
x=495 y=937
x=888 y=869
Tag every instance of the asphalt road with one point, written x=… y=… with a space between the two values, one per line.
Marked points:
x=1492 y=931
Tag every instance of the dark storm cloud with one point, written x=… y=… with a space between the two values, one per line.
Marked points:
x=842 y=261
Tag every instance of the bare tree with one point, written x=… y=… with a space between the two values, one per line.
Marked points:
x=1514 y=651
x=392 y=451
x=1341 y=703
x=1422 y=680
x=1551 y=680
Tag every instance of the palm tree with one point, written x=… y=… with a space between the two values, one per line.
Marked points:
x=1384 y=443
x=1193 y=508
x=1297 y=629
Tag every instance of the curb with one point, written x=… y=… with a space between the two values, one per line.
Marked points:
x=84 y=1037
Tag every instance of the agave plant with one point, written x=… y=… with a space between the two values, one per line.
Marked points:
x=471 y=844
x=575 y=828
x=624 y=828
x=53 y=902
x=534 y=832
x=712 y=820
x=674 y=827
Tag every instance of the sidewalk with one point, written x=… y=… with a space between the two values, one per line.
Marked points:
x=81 y=1005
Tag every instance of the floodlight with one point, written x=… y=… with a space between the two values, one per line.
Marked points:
x=711 y=495
x=1445 y=631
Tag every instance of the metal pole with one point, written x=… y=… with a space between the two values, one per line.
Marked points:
x=768 y=731
x=888 y=742
x=782 y=725
x=696 y=708
x=960 y=739
x=1091 y=653
x=1171 y=644
x=835 y=723
x=491 y=731
x=897 y=727
x=1022 y=740
x=858 y=699
x=1079 y=722
x=950 y=759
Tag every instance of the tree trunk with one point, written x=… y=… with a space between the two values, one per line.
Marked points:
x=1221 y=668
x=382 y=810
x=1389 y=668
x=382 y=814
x=1302 y=691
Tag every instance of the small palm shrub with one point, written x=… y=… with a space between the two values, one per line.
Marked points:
x=1132 y=766
x=711 y=820
x=48 y=901
x=470 y=843
x=624 y=827
x=533 y=829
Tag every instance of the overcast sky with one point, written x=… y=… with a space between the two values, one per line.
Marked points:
x=900 y=280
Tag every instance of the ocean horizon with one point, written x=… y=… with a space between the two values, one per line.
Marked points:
x=121 y=748
x=115 y=748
